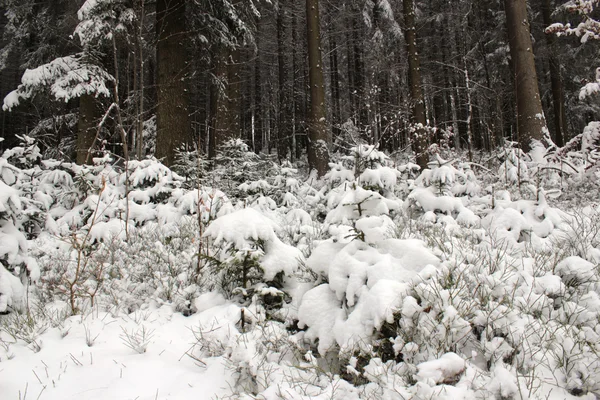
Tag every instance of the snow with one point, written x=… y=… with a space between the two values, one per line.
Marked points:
x=12 y=293
x=67 y=368
x=429 y=202
x=66 y=77
x=241 y=228
x=320 y=309
x=365 y=284
x=575 y=269
x=442 y=370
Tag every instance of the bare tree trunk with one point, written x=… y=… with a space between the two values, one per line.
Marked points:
x=234 y=86
x=558 y=92
x=284 y=128
x=258 y=143
x=140 y=83
x=173 y=126
x=530 y=116
x=295 y=149
x=335 y=84
x=420 y=140
x=318 y=154
x=86 y=129
x=219 y=101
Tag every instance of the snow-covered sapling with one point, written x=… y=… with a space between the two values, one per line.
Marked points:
x=250 y=257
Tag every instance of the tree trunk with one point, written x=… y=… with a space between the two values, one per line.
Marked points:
x=419 y=140
x=335 y=85
x=530 y=116
x=173 y=126
x=284 y=127
x=140 y=82
x=318 y=155
x=258 y=143
x=226 y=98
x=234 y=86
x=296 y=112
x=558 y=93
x=86 y=128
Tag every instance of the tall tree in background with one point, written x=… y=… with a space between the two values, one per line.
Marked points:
x=558 y=92
x=226 y=97
x=173 y=126
x=531 y=123
x=249 y=76
x=284 y=122
x=318 y=153
x=419 y=139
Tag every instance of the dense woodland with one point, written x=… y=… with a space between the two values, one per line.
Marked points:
x=289 y=199
x=284 y=74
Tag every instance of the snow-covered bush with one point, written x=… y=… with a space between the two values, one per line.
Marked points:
x=239 y=171
x=250 y=256
x=365 y=287
x=17 y=213
x=366 y=272
x=442 y=193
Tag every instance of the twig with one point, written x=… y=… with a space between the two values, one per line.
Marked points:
x=38 y=378
x=75 y=360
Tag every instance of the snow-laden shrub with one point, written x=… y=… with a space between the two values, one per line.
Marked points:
x=523 y=223
x=17 y=224
x=234 y=165
x=250 y=257
x=79 y=212
x=366 y=272
x=570 y=172
x=365 y=287
x=159 y=264
x=192 y=165
x=145 y=191
x=444 y=190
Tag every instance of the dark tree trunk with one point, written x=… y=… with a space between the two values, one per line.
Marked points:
x=335 y=82
x=284 y=122
x=296 y=109
x=258 y=143
x=86 y=128
x=558 y=93
x=419 y=140
x=530 y=116
x=318 y=154
x=226 y=98
x=173 y=126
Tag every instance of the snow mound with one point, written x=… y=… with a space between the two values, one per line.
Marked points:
x=445 y=369
x=249 y=229
x=11 y=290
x=366 y=287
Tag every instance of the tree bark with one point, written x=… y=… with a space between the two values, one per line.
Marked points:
x=530 y=116
x=420 y=140
x=558 y=92
x=140 y=82
x=334 y=77
x=86 y=127
x=258 y=142
x=173 y=124
x=318 y=154
x=284 y=123
x=226 y=98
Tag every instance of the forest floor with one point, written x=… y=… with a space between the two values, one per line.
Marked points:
x=378 y=281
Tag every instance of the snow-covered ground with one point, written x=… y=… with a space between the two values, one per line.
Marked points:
x=377 y=282
x=89 y=358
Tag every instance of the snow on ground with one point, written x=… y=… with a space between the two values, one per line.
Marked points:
x=93 y=360
x=374 y=283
